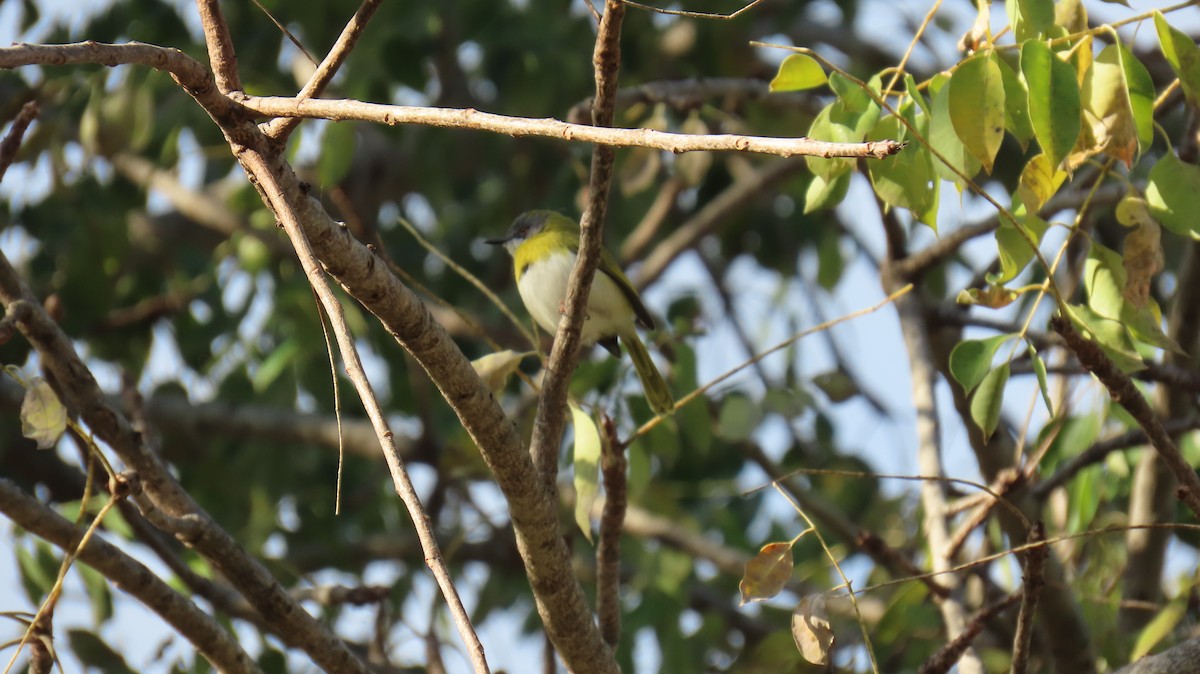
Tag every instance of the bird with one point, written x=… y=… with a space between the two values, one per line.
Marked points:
x=544 y=246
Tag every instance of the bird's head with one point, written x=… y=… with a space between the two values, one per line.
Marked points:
x=528 y=225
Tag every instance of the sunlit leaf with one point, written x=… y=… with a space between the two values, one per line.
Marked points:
x=811 y=629
x=1014 y=247
x=1173 y=194
x=1054 y=100
x=798 y=72
x=43 y=417
x=1039 y=368
x=1071 y=15
x=1039 y=181
x=767 y=572
x=1016 y=105
x=587 y=468
x=977 y=107
x=1030 y=18
x=495 y=369
x=822 y=194
x=1108 y=97
x=904 y=180
x=1110 y=334
x=988 y=398
x=971 y=360
x=1183 y=55
x=944 y=140
x=992 y=297
x=980 y=31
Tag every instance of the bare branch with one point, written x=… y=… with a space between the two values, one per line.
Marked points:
x=220 y=46
x=1035 y=563
x=452 y=118
x=612 y=523
x=1122 y=390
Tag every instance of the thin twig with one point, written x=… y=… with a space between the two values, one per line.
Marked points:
x=280 y=129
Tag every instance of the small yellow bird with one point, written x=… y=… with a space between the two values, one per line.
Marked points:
x=544 y=245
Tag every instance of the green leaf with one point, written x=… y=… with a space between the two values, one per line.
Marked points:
x=944 y=141
x=1071 y=15
x=971 y=360
x=822 y=194
x=39 y=570
x=94 y=652
x=1015 y=251
x=903 y=180
x=1183 y=55
x=739 y=417
x=845 y=120
x=1086 y=491
x=1173 y=194
x=99 y=594
x=1030 y=18
x=1054 y=100
x=977 y=107
x=985 y=404
x=587 y=468
x=273 y=365
x=43 y=417
x=1159 y=628
x=798 y=72
x=1110 y=334
x=1016 y=105
x=1039 y=368
x=914 y=92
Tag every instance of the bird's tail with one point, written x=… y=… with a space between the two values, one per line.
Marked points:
x=653 y=384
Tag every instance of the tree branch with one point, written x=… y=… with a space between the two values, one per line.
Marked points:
x=1123 y=392
x=451 y=118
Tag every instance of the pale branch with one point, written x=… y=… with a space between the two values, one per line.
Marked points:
x=1102 y=448
x=456 y=118
x=713 y=215
x=1124 y=393
x=280 y=129
x=265 y=174
x=213 y=642
x=220 y=45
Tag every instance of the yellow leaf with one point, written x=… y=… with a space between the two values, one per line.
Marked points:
x=43 y=417
x=1143 y=259
x=587 y=468
x=767 y=572
x=1039 y=182
x=495 y=368
x=810 y=628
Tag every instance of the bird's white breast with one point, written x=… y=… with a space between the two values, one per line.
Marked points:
x=543 y=288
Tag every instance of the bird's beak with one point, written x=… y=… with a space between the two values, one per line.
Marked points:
x=498 y=242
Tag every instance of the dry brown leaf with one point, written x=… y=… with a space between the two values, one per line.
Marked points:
x=811 y=630
x=767 y=572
